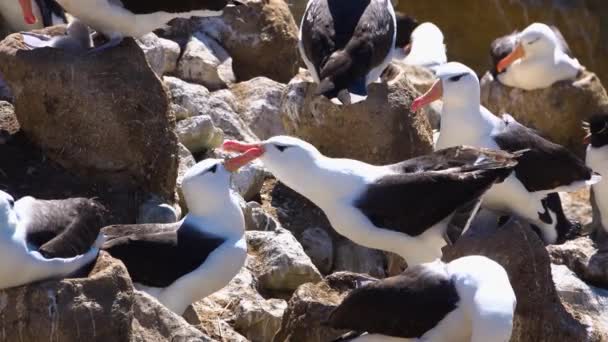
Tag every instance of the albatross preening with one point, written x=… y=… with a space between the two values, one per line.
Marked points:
x=547 y=168
x=186 y=261
x=402 y=208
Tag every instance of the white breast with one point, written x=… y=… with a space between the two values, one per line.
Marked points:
x=597 y=159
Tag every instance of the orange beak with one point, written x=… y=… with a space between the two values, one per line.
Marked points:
x=28 y=13
x=516 y=54
x=233 y=164
x=237 y=146
x=434 y=94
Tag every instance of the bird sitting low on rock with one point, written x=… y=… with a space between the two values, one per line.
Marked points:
x=402 y=208
x=346 y=45
x=535 y=58
x=547 y=168
x=133 y=18
x=469 y=299
x=186 y=261
x=21 y=262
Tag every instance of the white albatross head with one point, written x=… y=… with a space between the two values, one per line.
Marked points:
x=536 y=41
x=427 y=47
x=457 y=85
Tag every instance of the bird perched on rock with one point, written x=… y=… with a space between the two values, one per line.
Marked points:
x=43 y=13
x=21 y=263
x=402 y=208
x=468 y=299
x=182 y=262
x=133 y=18
x=597 y=159
x=535 y=58
x=346 y=45
x=547 y=168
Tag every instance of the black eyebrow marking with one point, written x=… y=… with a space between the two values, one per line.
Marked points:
x=457 y=77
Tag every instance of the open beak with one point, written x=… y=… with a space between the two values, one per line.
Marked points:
x=516 y=54
x=235 y=163
x=237 y=146
x=434 y=94
x=28 y=13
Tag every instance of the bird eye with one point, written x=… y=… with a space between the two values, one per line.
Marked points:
x=281 y=147
x=533 y=41
x=456 y=78
x=11 y=202
x=213 y=168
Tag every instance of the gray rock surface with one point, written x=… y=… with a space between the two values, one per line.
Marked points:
x=162 y=54
x=205 y=62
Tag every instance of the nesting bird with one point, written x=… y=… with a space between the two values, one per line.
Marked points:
x=21 y=263
x=133 y=18
x=186 y=261
x=402 y=208
x=597 y=159
x=547 y=168
x=346 y=45
x=468 y=299
x=535 y=58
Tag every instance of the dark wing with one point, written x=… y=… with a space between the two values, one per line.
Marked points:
x=48 y=8
x=157 y=255
x=430 y=188
x=500 y=48
x=173 y=6
x=405 y=26
x=546 y=165
x=318 y=34
x=64 y=228
x=404 y=306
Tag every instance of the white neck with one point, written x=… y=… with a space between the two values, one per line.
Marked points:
x=464 y=123
x=222 y=216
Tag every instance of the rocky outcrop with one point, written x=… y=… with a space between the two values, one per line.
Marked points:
x=318 y=245
x=556 y=111
x=260 y=36
x=162 y=54
x=379 y=130
x=583 y=256
x=279 y=262
x=199 y=134
x=257 y=219
x=581 y=22
x=205 y=62
x=586 y=303
x=103 y=117
x=311 y=305
x=539 y=315
x=356 y=258
x=101 y=307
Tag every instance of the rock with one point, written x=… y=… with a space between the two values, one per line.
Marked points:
x=318 y=245
x=279 y=262
x=297 y=8
x=584 y=257
x=556 y=111
x=260 y=36
x=179 y=112
x=102 y=307
x=258 y=103
x=254 y=317
x=312 y=304
x=91 y=121
x=209 y=319
x=5 y=91
x=198 y=101
x=154 y=210
x=587 y=303
x=8 y=120
x=581 y=22
x=385 y=130
x=539 y=315
x=257 y=219
x=162 y=54
x=205 y=62
x=198 y=133
x=355 y=258
x=186 y=161
x=422 y=79
x=248 y=180
x=577 y=205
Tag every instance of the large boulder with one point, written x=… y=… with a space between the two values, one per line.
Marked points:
x=584 y=257
x=260 y=36
x=587 y=303
x=556 y=111
x=581 y=22
x=386 y=130
x=311 y=305
x=103 y=116
x=102 y=307
x=539 y=315
x=279 y=262
x=162 y=54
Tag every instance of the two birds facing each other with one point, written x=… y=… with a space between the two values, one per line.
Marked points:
x=184 y=262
